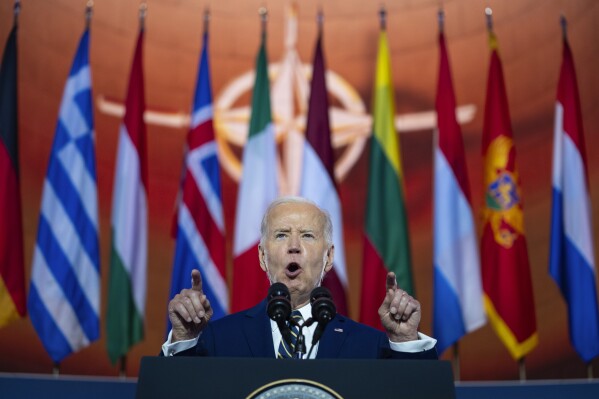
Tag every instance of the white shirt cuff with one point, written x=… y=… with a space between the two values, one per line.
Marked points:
x=423 y=343
x=171 y=349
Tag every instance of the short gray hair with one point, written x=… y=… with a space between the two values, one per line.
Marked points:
x=291 y=199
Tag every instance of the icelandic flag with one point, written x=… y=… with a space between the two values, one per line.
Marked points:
x=200 y=222
x=571 y=257
x=458 y=297
x=64 y=296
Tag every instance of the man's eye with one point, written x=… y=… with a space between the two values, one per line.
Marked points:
x=309 y=235
x=280 y=235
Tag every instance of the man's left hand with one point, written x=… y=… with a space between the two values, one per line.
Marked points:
x=399 y=313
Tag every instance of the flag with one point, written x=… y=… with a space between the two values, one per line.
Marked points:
x=257 y=189
x=201 y=228
x=458 y=297
x=386 y=240
x=571 y=257
x=64 y=295
x=12 y=271
x=129 y=246
x=318 y=175
x=507 y=286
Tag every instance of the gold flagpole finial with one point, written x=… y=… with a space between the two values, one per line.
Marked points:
x=143 y=10
x=89 y=11
x=383 y=17
x=263 y=12
x=206 y=19
x=16 y=12
x=564 y=24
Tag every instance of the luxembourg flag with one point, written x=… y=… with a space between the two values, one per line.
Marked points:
x=200 y=222
x=571 y=258
x=458 y=298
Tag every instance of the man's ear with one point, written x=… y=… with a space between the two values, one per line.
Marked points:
x=262 y=258
x=330 y=256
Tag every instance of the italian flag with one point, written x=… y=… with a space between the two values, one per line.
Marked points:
x=386 y=241
x=257 y=189
x=128 y=257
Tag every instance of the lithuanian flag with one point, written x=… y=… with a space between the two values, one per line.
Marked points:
x=386 y=241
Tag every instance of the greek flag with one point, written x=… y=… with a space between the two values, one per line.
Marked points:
x=64 y=297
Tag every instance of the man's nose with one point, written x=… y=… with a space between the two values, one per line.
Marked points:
x=294 y=245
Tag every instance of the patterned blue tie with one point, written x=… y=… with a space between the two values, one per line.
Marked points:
x=285 y=350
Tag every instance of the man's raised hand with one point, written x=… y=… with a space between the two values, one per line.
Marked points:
x=399 y=313
x=189 y=311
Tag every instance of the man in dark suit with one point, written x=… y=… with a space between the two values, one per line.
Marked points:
x=295 y=249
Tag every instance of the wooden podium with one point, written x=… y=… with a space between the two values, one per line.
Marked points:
x=197 y=377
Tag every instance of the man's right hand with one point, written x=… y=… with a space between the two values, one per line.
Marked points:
x=189 y=311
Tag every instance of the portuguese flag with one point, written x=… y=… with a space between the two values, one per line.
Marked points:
x=386 y=241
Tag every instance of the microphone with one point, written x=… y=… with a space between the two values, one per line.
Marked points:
x=323 y=310
x=279 y=308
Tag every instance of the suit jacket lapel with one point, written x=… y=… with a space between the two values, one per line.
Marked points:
x=332 y=339
x=257 y=331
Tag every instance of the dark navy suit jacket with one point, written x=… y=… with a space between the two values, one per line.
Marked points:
x=249 y=334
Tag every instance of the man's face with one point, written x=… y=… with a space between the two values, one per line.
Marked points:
x=294 y=251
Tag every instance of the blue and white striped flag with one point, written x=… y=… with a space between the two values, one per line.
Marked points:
x=200 y=219
x=571 y=257
x=64 y=297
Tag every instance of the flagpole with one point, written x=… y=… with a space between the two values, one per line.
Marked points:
x=89 y=11
x=522 y=368
x=56 y=369
x=123 y=367
x=383 y=17
x=320 y=20
x=143 y=9
x=206 y=20
x=16 y=12
x=489 y=14
x=456 y=362
x=263 y=12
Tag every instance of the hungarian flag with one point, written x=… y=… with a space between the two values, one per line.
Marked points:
x=508 y=295
x=200 y=221
x=257 y=189
x=386 y=240
x=12 y=280
x=318 y=178
x=64 y=295
x=129 y=249
x=458 y=297
x=571 y=257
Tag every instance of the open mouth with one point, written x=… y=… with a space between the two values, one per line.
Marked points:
x=293 y=269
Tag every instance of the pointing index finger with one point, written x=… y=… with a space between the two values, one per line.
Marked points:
x=196 y=280
x=391 y=281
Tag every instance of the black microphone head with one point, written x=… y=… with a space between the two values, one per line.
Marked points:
x=323 y=307
x=279 y=302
